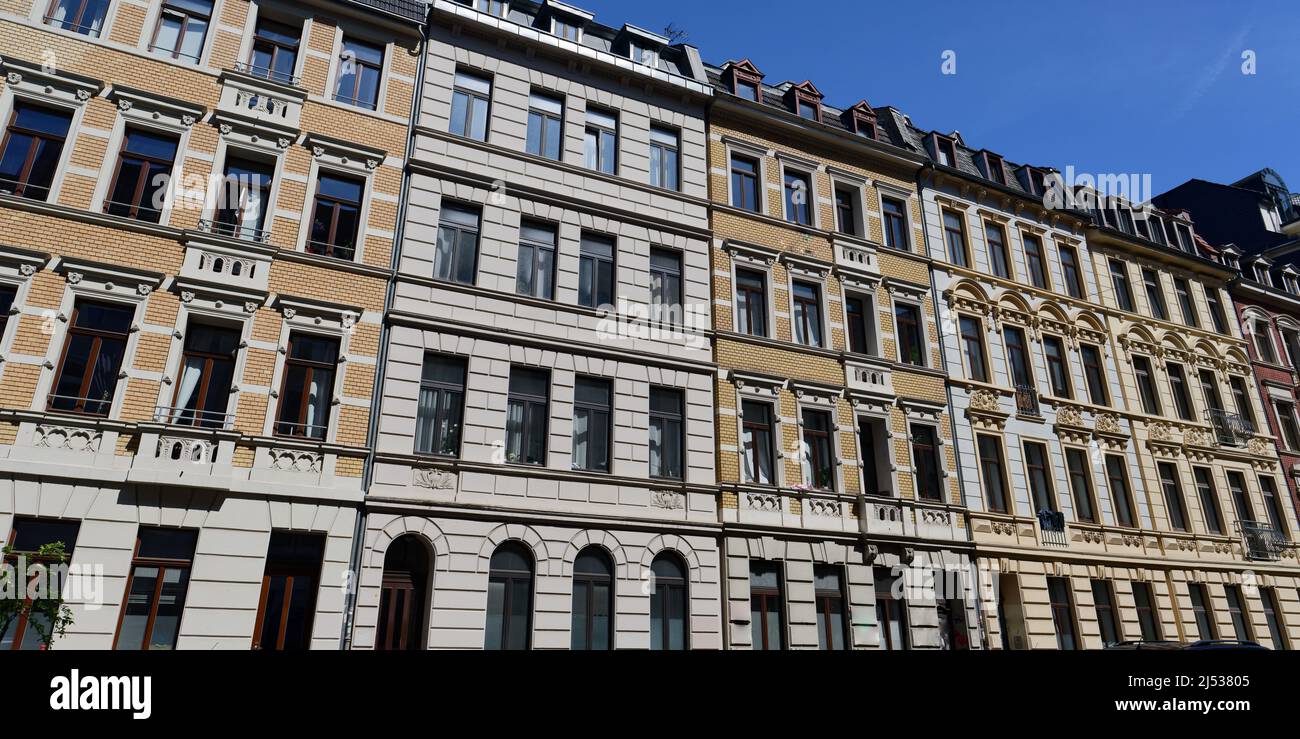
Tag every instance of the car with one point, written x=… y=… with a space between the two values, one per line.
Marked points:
x=1168 y=645
x=1231 y=644
x=1137 y=644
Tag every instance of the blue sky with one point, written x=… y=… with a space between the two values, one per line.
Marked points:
x=1108 y=86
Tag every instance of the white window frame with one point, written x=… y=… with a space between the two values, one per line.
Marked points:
x=809 y=170
x=758 y=154
x=884 y=190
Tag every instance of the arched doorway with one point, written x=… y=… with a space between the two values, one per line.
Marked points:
x=404 y=600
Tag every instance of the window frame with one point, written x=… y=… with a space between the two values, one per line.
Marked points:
x=768 y=426
x=733 y=175
x=1097 y=381
x=162 y=565
x=600 y=131
x=925 y=456
x=354 y=101
x=588 y=256
x=789 y=173
x=747 y=314
x=1078 y=472
x=819 y=443
x=1037 y=256
x=1121 y=285
x=79 y=408
x=537 y=248
x=531 y=404
x=77 y=24
x=175 y=53
x=304 y=405
x=961 y=257
x=442 y=389
x=471 y=96
x=919 y=340
x=546 y=120
x=23 y=182
x=461 y=231
x=1059 y=370
x=664 y=416
x=336 y=206
x=593 y=410
x=198 y=417
x=142 y=178
x=977 y=366
x=1002 y=486
x=814 y=331
x=902 y=219
x=999 y=251
x=672 y=171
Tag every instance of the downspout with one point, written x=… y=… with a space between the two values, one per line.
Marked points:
x=928 y=169
x=372 y=429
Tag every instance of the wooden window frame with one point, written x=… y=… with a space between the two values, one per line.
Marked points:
x=799 y=317
x=311 y=367
x=961 y=259
x=1037 y=255
x=175 y=53
x=331 y=247
x=1119 y=477
x=763 y=594
x=162 y=564
x=1003 y=483
x=767 y=426
x=824 y=600
x=137 y=205
x=199 y=416
x=980 y=346
x=1081 y=473
x=442 y=389
x=291 y=571
x=276 y=47
x=1058 y=368
x=353 y=99
x=1094 y=374
x=21 y=185
x=99 y=335
x=744 y=323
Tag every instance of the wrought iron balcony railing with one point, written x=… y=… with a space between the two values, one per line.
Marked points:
x=206 y=420
x=1027 y=401
x=234 y=230
x=267 y=73
x=1230 y=429
x=1052 y=524
x=1262 y=540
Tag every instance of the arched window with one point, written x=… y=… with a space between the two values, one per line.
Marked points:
x=404 y=599
x=668 y=609
x=510 y=598
x=593 y=600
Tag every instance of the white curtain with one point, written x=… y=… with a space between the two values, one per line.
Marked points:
x=317 y=403
x=514 y=432
x=657 y=448
x=190 y=376
x=580 y=440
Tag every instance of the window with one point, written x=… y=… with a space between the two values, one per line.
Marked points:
x=1148 y=617
x=527 y=416
x=1018 y=357
x=1155 y=229
x=954 y=236
x=1185 y=241
x=1272 y=504
x=928 y=464
x=1155 y=294
x=1259 y=329
x=471 y=101
x=1178 y=386
x=336 y=216
x=1209 y=499
x=92 y=357
x=873 y=449
x=287 y=605
x=1240 y=498
x=1216 y=310
x=1273 y=617
x=1035 y=260
x=972 y=341
x=643 y=54
x=894 y=215
x=592 y=407
x=1080 y=474
x=566 y=29
x=992 y=467
x=1291 y=343
x=862 y=326
x=1071 y=270
x=275 y=51
x=1285 y=413
x=808 y=108
x=669 y=599
x=33 y=145
x=1040 y=477
x=510 y=598
x=993 y=167
x=207 y=376
x=846 y=210
x=596 y=271
x=807 y=314
x=745 y=89
x=404 y=596
x=496 y=8
x=456 y=256
x=28 y=536
x=744 y=183
x=946 y=151
x=155 y=589
x=1119 y=280
x=891 y=613
x=798 y=197
x=766 y=606
x=1146 y=385
x=996 y=238
x=1058 y=591
x=667 y=433
x=1201 y=609
x=1210 y=390
x=828 y=589
x=360 y=67
x=7 y=295
x=756 y=439
x=1058 y=366
x=1184 y=291
x=182 y=28
x=1241 y=399
x=140 y=182
x=545 y=125
x=818 y=455
x=535 y=265
x=1104 y=601
x=1174 y=505
x=442 y=405
x=665 y=158
x=911 y=345
x=308 y=388
x=1095 y=373
x=666 y=301
x=1237 y=612
x=601 y=142
x=593 y=601
x=751 y=302
x=244 y=198
x=85 y=17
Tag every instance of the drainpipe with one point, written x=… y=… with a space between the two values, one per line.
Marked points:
x=921 y=179
x=372 y=430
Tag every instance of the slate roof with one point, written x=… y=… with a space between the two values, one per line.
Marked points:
x=411 y=10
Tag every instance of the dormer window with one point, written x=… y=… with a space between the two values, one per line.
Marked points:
x=1185 y=241
x=993 y=168
x=945 y=151
x=498 y=8
x=745 y=80
x=745 y=88
x=1261 y=274
x=806 y=101
x=642 y=46
x=643 y=53
x=566 y=28
x=1038 y=178
x=861 y=119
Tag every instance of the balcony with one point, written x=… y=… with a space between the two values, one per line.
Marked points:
x=235 y=230
x=261 y=101
x=1027 y=401
x=1052 y=526
x=856 y=258
x=1230 y=429
x=214 y=261
x=263 y=73
x=1262 y=541
x=189 y=417
x=866 y=377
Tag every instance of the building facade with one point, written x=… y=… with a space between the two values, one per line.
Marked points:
x=545 y=471
x=834 y=442
x=198 y=203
